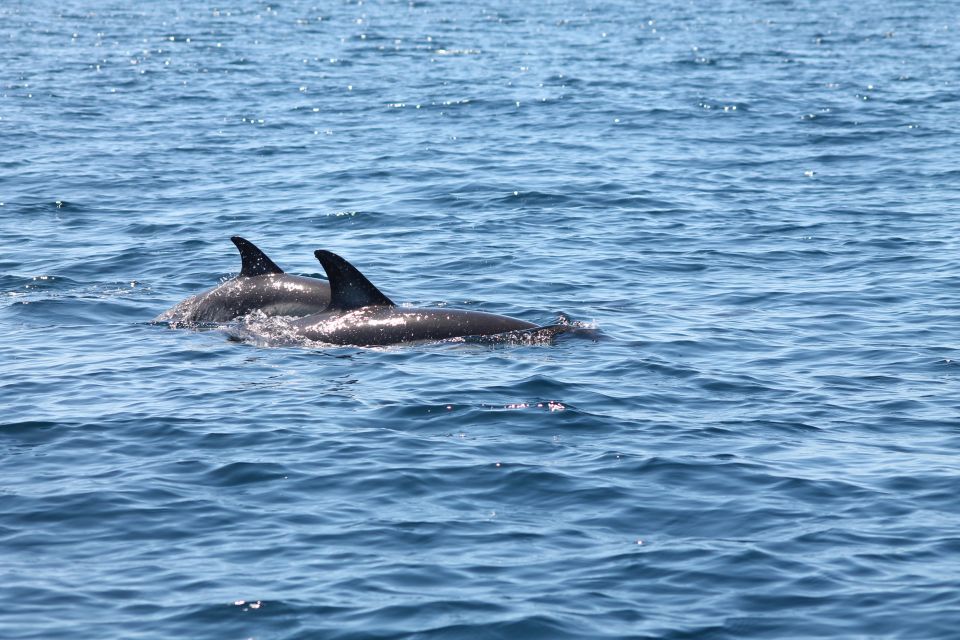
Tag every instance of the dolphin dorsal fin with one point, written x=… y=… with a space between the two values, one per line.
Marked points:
x=349 y=289
x=254 y=262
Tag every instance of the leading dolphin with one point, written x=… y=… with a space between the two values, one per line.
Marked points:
x=359 y=314
x=261 y=286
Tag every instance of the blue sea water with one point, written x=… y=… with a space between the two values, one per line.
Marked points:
x=754 y=203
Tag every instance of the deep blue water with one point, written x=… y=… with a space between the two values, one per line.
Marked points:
x=755 y=203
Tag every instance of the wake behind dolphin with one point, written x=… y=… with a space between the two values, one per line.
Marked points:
x=261 y=286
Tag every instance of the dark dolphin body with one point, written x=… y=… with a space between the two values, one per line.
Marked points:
x=359 y=314
x=261 y=286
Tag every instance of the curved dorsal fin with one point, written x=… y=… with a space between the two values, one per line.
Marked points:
x=349 y=289
x=253 y=261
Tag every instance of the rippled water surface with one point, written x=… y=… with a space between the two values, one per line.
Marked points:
x=754 y=203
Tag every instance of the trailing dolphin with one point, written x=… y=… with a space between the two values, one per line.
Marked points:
x=359 y=314
x=261 y=286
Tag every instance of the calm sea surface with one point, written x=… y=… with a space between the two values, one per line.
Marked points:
x=756 y=205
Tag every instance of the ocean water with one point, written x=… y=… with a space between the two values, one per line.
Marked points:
x=755 y=205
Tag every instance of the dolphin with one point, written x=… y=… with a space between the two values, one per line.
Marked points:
x=359 y=314
x=261 y=286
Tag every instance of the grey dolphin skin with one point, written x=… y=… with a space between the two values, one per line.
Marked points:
x=359 y=314
x=261 y=286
